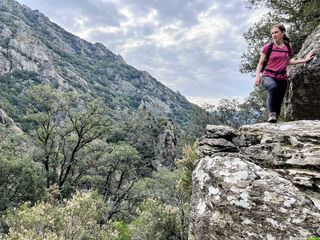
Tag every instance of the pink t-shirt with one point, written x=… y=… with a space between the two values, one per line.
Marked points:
x=278 y=62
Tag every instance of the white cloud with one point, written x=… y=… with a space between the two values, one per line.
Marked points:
x=193 y=46
x=213 y=101
x=134 y=21
x=168 y=35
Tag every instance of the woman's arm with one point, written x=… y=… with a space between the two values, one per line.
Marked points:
x=259 y=67
x=308 y=58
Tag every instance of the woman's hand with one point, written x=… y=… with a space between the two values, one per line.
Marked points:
x=258 y=81
x=309 y=57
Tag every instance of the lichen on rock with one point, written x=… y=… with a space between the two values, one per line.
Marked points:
x=256 y=190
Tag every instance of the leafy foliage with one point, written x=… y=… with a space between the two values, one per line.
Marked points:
x=187 y=164
x=156 y=221
x=12 y=99
x=142 y=130
x=77 y=218
x=164 y=187
x=21 y=179
x=200 y=118
x=232 y=112
x=66 y=125
x=113 y=174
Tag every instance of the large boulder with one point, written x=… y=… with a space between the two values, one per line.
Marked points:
x=166 y=148
x=4 y=118
x=259 y=182
x=303 y=99
x=7 y=123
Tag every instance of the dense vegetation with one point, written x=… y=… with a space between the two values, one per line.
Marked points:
x=73 y=150
x=84 y=165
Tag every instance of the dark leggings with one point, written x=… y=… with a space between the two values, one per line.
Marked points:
x=277 y=90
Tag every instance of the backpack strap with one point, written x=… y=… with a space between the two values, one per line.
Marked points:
x=289 y=49
x=267 y=57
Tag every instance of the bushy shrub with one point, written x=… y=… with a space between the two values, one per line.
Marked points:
x=156 y=221
x=21 y=179
x=77 y=218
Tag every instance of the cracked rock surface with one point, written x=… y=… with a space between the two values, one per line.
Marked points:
x=261 y=181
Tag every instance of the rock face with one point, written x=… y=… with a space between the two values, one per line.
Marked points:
x=166 y=148
x=7 y=123
x=30 y=42
x=303 y=98
x=260 y=182
x=4 y=118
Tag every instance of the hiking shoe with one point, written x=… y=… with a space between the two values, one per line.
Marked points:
x=272 y=117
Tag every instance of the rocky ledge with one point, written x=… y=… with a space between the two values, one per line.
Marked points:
x=261 y=181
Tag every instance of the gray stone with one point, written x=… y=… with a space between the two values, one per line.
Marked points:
x=286 y=144
x=4 y=118
x=218 y=131
x=235 y=199
x=303 y=98
x=8 y=123
x=269 y=189
x=166 y=149
x=305 y=178
x=213 y=145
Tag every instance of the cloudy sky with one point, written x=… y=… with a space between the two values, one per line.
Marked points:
x=191 y=46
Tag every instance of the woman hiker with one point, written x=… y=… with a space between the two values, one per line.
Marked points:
x=274 y=59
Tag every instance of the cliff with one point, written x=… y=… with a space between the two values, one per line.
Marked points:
x=259 y=182
x=34 y=50
x=303 y=99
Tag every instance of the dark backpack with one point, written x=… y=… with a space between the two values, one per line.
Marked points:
x=269 y=53
x=267 y=57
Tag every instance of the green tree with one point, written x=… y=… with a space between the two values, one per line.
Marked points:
x=66 y=125
x=188 y=163
x=77 y=218
x=200 y=118
x=21 y=179
x=144 y=133
x=165 y=187
x=228 y=113
x=254 y=107
x=12 y=98
x=232 y=112
x=156 y=221
x=113 y=174
x=141 y=132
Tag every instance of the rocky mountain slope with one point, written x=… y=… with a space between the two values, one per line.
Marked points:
x=259 y=182
x=303 y=98
x=35 y=50
x=262 y=181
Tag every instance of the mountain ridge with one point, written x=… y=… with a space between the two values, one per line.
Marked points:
x=30 y=42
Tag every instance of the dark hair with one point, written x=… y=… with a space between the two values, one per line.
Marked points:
x=286 y=40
